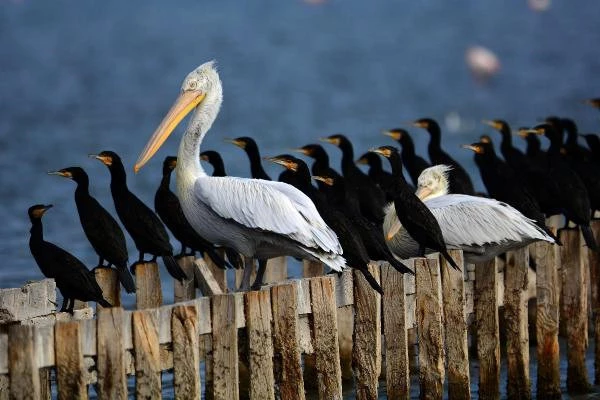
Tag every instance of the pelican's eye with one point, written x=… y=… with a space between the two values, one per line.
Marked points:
x=193 y=85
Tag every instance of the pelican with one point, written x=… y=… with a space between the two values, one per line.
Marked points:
x=259 y=219
x=481 y=227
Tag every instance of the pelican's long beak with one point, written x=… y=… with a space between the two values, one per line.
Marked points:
x=185 y=103
x=423 y=193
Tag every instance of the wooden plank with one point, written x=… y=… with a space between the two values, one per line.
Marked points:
x=32 y=300
x=147 y=354
x=260 y=345
x=285 y=341
x=327 y=360
x=366 y=353
x=112 y=380
x=206 y=354
x=487 y=328
x=455 y=323
x=517 y=332
x=4 y=387
x=276 y=270
x=429 y=328
x=394 y=328
x=574 y=291
x=548 y=286
x=148 y=292
x=69 y=361
x=186 y=357
x=219 y=274
x=225 y=347
x=23 y=373
x=205 y=280
x=594 y=260
x=186 y=289
x=310 y=269
x=108 y=280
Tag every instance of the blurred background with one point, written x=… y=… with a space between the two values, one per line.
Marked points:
x=81 y=77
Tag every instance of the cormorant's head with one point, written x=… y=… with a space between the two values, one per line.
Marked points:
x=385 y=151
x=209 y=156
x=396 y=133
x=524 y=132
x=169 y=164
x=243 y=142
x=75 y=173
x=424 y=123
x=594 y=102
x=37 y=211
x=107 y=158
x=366 y=158
x=485 y=139
x=336 y=139
x=308 y=150
x=477 y=148
x=288 y=161
x=328 y=180
x=497 y=124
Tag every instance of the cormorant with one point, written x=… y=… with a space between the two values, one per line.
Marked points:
x=72 y=278
x=145 y=228
x=460 y=183
x=101 y=229
x=593 y=143
x=320 y=166
x=249 y=145
x=414 y=163
x=376 y=172
x=214 y=159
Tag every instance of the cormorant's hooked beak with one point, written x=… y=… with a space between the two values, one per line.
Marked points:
x=282 y=161
x=62 y=173
x=363 y=161
x=325 y=179
x=38 y=212
x=238 y=143
x=471 y=147
x=186 y=102
x=420 y=124
x=393 y=134
x=301 y=150
x=384 y=152
x=523 y=132
x=334 y=141
x=491 y=123
x=105 y=160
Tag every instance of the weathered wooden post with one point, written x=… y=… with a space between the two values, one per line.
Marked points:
x=594 y=260
x=548 y=286
x=515 y=314
x=455 y=324
x=394 y=328
x=225 y=347
x=574 y=291
x=260 y=345
x=186 y=352
x=108 y=280
x=205 y=280
x=146 y=348
x=325 y=335
x=276 y=270
x=69 y=361
x=218 y=273
x=285 y=341
x=429 y=328
x=148 y=292
x=366 y=353
x=186 y=289
x=23 y=373
x=112 y=380
x=311 y=269
x=488 y=330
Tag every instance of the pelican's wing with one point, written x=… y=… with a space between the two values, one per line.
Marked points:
x=469 y=220
x=270 y=206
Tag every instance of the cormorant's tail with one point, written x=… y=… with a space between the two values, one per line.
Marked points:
x=126 y=279
x=450 y=260
x=217 y=259
x=399 y=266
x=588 y=236
x=103 y=302
x=371 y=279
x=552 y=235
x=174 y=269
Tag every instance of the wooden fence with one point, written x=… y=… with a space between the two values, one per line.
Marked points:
x=301 y=335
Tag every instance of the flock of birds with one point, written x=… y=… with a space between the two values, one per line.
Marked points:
x=346 y=220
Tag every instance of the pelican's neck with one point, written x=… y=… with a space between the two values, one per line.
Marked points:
x=189 y=167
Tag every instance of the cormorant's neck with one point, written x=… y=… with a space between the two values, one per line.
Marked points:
x=533 y=146
x=83 y=185
x=37 y=232
x=118 y=177
x=218 y=168
x=375 y=167
x=256 y=168
x=506 y=144
x=436 y=136
x=347 y=154
x=408 y=147
x=396 y=164
x=166 y=180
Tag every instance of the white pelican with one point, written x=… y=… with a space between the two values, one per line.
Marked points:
x=258 y=218
x=481 y=227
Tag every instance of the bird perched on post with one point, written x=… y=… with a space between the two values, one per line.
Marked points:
x=101 y=229
x=73 y=279
x=146 y=230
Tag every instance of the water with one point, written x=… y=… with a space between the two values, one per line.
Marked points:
x=81 y=77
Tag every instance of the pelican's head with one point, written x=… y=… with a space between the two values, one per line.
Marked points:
x=433 y=182
x=37 y=211
x=288 y=161
x=202 y=85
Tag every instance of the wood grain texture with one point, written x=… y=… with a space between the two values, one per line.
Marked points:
x=205 y=279
x=147 y=354
x=276 y=271
x=517 y=332
x=260 y=344
x=186 y=289
x=112 y=382
x=594 y=260
x=225 y=348
x=575 y=308
x=69 y=361
x=23 y=373
x=548 y=287
x=148 y=291
x=394 y=328
x=366 y=350
x=487 y=328
x=325 y=334
x=285 y=341
x=455 y=323
x=108 y=280
x=186 y=356
x=218 y=273
x=310 y=269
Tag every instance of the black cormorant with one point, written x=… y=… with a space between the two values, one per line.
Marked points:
x=214 y=159
x=249 y=145
x=414 y=163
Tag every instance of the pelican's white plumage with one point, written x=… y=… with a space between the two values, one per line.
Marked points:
x=257 y=218
x=481 y=227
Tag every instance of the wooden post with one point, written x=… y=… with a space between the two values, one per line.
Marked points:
x=515 y=314
x=594 y=260
x=429 y=328
x=310 y=269
x=148 y=292
x=186 y=352
x=225 y=348
x=69 y=361
x=366 y=353
x=285 y=341
x=276 y=270
x=218 y=273
x=455 y=323
x=108 y=280
x=206 y=353
x=23 y=373
x=112 y=381
x=327 y=359
x=185 y=290
x=147 y=354
x=205 y=279
x=488 y=331
x=260 y=346
x=574 y=289
x=548 y=286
